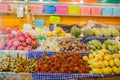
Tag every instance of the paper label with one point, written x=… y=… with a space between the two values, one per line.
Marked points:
x=54 y=19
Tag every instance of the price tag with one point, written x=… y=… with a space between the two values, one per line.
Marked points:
x=54 y=19
x=39 y=23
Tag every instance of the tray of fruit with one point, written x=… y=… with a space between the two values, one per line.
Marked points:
x=62 y=66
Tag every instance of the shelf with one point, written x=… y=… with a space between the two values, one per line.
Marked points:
x=70 y=15
x=13 y=2
x=8 y=12
x=76 y=3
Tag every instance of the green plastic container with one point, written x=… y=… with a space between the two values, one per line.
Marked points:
x=109 y=1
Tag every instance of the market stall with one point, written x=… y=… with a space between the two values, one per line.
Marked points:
x=60 y=40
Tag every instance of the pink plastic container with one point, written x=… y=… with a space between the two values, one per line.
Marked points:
x=96 y=11
x=85 y=10
x=4 y=7
x=36 y=8
x=61 y=9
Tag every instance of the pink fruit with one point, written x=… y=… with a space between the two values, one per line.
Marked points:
x=33 y=37
x=13 y=48
x=33 y=44
x=9 y=43
x=16 y=43
x=11 y=35
x=28 y=40
x=2 y=46
x=27 y=34
x=20 y=33
x=28 y=48
x=21 y=38
x=20 y=48
x=24 y=44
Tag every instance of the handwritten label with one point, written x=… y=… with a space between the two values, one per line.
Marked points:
x=54 y=19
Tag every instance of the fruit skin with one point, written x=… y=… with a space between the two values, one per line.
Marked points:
x=106 y=33
x=116 y=70
x=106 y=70
x=87 y=33
x=111 y=63
x=97 y=71
x=114 y=32
x=75 y=32
x=98 y=33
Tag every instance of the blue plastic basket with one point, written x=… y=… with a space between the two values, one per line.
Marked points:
x=63 y=76
x=49 y=9
x=102 y=39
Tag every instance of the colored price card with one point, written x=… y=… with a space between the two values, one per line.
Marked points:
x=54 y=19
x=39 y=23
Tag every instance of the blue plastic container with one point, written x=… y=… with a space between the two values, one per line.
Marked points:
x=102 y=39
x=107 y=11
x=116 y=11
x=49 y=9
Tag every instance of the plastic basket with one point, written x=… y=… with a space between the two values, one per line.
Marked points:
x=116 y=11
x=85 y=10
x=36 y=8
x=73 y=9
x=107 y=11
x=49 y=9
x=96 y=11
x=102 y=39
x=61 y=9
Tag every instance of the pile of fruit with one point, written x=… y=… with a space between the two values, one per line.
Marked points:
x=19 y=41
x=73 y=46
x=101 y=32
x=110 y=45
x=102 y=62
x=19 y=64
x=63 y=63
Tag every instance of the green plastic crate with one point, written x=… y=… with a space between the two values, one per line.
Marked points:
x=109 y=1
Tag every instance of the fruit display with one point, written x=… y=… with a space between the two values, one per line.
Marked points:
x=75 y=31
x=19 y=41
x=102 y=62
x=110 y=45
x=56 y=32
x=63 y=63
x=19 y=64
x=50 y=44
x=73 y=46
x=101 y=32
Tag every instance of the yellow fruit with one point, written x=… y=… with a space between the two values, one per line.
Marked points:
x=104 y=51
x=106 y=71
x=91 y=72
x=98 y=64
x=119 y=52
x=116 y=70
x=117 y=62
x=50 y=34
x=110 y=69
x=111 y=63
x=58 y=30
x=107 y=57
x=97 y=71
x=115 y=56
x=99 y=57
x=85 y=58
x=91 y=56
x=105 y=63
x=101 y=53
x=62 y=34
x=55 y=34
x=92 y=61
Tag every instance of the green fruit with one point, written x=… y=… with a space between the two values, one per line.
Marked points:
x=106 y=33
x=114 y=32
x=92 y=47
x=87 y=33
x=75 y=32
x=94 y=30
x=103 y=46
x=110 y=48
x=98 y=33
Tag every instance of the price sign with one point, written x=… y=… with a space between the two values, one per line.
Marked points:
x=54 y=19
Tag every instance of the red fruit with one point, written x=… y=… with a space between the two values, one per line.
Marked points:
x=28 y=40
x=27 y=35
x=21 y=38
x=24 y=44
x=33 y=38
x=20 y=48
x=20 y=33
